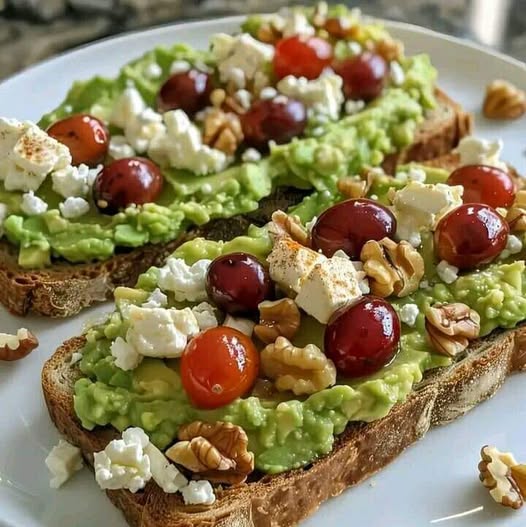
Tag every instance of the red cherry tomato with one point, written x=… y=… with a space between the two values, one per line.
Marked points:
x=218 y=366
x=484 y=184
x=470 y=235
x=86 y=137
x=362 y=338
x=302 y=57
x=188 y=91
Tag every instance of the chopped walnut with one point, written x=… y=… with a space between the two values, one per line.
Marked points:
x=518 y=473
x=393 y=268
x=217 y=97
x=496 y=475
x=222 y=131
x=15 y=347
x=504 y=101
x=285 y=226
x=301 y=370
x=516 y=215
x=217 y=452
x=350 y=187
x=338 y=29
x=389 y=49
x=450 y=327
x=268 y=33
x=279 y=318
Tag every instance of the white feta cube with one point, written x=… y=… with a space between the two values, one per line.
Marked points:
x=476 y=151
x=205 y=316
x=63 y=461
x=244 y=325
x=33 y=205
x=125 y=355
x=198 y=493
x=73 y=207
x=119 y=148
x=156 y=299
x=129 y=104
x=446 y=272
x=74 y=181
x=186 y=282
x=409 y=313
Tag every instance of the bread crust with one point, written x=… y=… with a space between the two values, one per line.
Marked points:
x=284 y=500
x=65 y=289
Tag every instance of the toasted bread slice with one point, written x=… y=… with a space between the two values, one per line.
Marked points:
x=64 y=289
x=287 y=498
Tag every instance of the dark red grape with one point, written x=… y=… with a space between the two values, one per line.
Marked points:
x=350 y=224
x=362 y=338
x=188 y=91
x=237 y=283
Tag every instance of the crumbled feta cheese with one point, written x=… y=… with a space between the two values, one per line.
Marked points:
x=63 y=461
x=28 y=155
x=153 y=71
x=251 y=155
x=119 y=148
x=180 y=66
x=416 y=174
x=323 y=95
x=261 y=81
x=240 y=53
x=205 y=316
x=476 y=151
x=418 y=207
x=3 y=216
x=296 y=23
x=126 y=356
x=244 y=325
x=156 y=299
x=397 y=73
x=74 y=181
x=244 y=98
x=352 y=107
x=140 y=130
x=129 y=104
x=446 y=272
x=187 y=282
x=32 y=205
x=75 y=357
x=409 y=314
x=73 y=207
x=355 y=48
x=513 y=246
x=123 y=464
x=424 y=284
x=181 y=146
x=310 y=224
x=342 y=254
x=158 y=332
x=268 y=93
x=198 y=493
x=164 y=473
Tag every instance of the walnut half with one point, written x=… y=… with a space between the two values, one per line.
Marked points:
x=516 y=215
x=504 y=101
x=284 y=225
x=222 y=131
x=450 y=327
x=15 y=347
x=217 y=452
x=301 y=370
x=279 y=318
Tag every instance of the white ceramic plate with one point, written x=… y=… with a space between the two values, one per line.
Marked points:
x=433 y=479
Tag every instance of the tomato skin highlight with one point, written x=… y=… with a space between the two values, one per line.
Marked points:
x=218 y=366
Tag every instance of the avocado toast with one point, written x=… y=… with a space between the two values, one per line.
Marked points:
x=56 y=265
x=314 y=431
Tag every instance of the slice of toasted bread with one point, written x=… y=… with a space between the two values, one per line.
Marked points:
x=287 y=498
x=64 y=289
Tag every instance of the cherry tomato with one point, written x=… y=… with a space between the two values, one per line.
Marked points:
x=350 y=224
x=484 y=184
x=362 y=338
x=470 y=235
x=302 y=57
x=188 y=91
x=86 y=137
x=363 y=76
x=127 y=181
x=218 y=366
x=270 y=120
x=238 y=283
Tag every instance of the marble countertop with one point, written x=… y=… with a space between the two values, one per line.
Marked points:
x=32 y=30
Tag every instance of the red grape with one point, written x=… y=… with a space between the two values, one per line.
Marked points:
x=86 y=137
x=484 y=184
x=132 y=180
x=270 y=120
x=350 y=224
x=470 y=235
x=188 y=91
x=302 y=57
x=363 y=337
x=238 y=283
x=363 y=76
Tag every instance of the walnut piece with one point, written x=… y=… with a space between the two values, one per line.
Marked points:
x=450 y=327
x=495 y=474
x=15 y=347
x=285 y=226
x=301 y=370
x=393 y=268
x=279 y=318
x=504 y=101
x=217 y=452
x=222 y=131
x=516 y=215
x=389 y=49
x=340 y=30
x=518 y=473
x=351 y=187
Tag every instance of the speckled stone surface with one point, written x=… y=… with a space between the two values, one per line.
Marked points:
x=31 y=30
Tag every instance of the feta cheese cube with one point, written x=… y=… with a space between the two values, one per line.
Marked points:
x=32 y=205
x=205 y=316
x=186 y=282
x=126 y=356
x=11 y=131
x=244 y=325
x=296 y=23
x=63 y=461
x=119 y=148
x=330 y=285
x=477 y=151
x=409 y=313
x=73 y=207
x=74 y=181
x=290 y=263
x=446 y=272
x=129 y=104
x=198 y=493
x=140 y=130
x=156 y=299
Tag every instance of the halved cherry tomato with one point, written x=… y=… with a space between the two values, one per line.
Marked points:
x=218 y=366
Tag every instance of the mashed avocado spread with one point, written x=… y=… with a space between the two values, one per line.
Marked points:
x=339 y=148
